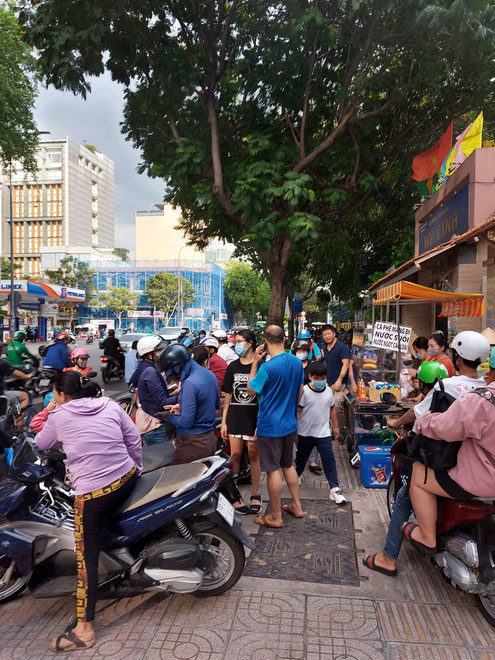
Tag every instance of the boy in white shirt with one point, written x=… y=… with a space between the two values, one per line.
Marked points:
x=316 y=410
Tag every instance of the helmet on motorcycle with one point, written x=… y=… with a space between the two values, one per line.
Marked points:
x=430 y=371
x=300 y=345
x=79 y=353
x=304 y=334
x=175 y=354
x=221 y=335
x=491 y=361
x=62 y=336
x=19 y=336
x=471 y=346
x=148 y=344
x=209 y=341
x=187 y=340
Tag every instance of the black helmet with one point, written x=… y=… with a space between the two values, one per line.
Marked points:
x=300 y=345
x=172 y=355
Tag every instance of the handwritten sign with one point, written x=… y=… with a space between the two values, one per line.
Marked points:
x=385 y=336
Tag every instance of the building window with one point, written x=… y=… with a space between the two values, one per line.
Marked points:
x=34 y=236
x=18 y=237
x=19 y=262
x=54 y=199
x=54 y=156
x=34 y=202
x=94 y=188
x=34 y=267
x=54 y=233
x=18 y=201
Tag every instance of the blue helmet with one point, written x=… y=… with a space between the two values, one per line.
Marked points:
x=304 y=334
x=491 y=360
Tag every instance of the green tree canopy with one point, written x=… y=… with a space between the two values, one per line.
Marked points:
x=246 y=291
x=165 y=292
x=277 y=125
x=117 y=300
x=18 y=132
x=73 y=273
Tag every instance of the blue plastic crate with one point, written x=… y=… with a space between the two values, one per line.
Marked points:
x=375 y=465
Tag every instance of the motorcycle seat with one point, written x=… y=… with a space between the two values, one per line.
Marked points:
x=157 y=456
x=159 y=483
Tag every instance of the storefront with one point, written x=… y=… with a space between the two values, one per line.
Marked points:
x=43 y=306
x=454 y=253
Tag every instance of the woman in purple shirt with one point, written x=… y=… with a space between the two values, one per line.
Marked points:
x=104 y=457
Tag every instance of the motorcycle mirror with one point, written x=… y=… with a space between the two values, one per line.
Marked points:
x=388 y=398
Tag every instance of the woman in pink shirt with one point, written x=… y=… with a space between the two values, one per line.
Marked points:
x=104 y=457
x=470 y=419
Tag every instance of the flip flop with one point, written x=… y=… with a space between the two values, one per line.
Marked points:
x=255 y=508
x=76 y=645
x=263 y=522
x=407 y=530
x=287 y=509
x=370 y=562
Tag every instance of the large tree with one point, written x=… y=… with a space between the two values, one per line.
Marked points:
x=117 y=299
x=73 y=273
x=166 y=291
x=275 y=123
x=246 y=291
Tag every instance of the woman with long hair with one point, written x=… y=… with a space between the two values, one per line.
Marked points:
x=104 y=457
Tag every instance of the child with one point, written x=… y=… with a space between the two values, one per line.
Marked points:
x=315 y=413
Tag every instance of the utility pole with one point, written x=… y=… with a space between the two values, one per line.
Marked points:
x=12 y=296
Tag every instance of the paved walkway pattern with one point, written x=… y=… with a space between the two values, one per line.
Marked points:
x=413 y=617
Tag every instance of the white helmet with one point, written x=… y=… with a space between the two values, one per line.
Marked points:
x=471 y=346
x=209 y=341
x=221 y=335
x=148 y=344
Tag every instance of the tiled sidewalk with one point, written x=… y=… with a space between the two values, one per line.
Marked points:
x=415 y=616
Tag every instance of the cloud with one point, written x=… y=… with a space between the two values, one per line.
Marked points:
x=97 y=121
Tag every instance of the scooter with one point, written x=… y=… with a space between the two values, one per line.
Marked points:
x=111 y=368
x=175 y=533
x=465 y=536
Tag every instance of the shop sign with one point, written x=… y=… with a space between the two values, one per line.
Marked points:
x=385 y=336
x=159 y=315
x=67 y=309
x=139 y=314
x=195 y=311
x=31 y=306
x=451 y=218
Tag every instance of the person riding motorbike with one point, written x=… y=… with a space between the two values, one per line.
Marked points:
x=56 y=356
x=194 y=416
x=224 y=350
x=18 y=353
x=470 y=420
x=153 y=392
x=112 y=348
x=314 y=351
x=79 y=362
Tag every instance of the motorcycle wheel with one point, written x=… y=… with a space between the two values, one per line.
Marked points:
x=244 y=467
x=391 y=495
x=16 y=584
x=487 y=608
x=229 y=561
x=105 y=376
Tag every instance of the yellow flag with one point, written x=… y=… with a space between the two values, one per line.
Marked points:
x=472 y=139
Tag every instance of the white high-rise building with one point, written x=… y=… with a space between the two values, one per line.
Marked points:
x=68 y=203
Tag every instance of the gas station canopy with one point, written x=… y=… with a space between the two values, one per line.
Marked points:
x=453 y=304
x=33 y=291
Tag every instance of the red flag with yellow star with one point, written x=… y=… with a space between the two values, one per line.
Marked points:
x=425 y=165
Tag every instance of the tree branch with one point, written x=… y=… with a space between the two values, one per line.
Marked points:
x=302 y=145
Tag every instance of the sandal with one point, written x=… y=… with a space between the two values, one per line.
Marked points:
x=255 y=508
x=370 y=562
x=407 y=530
x=243 y=510
x=288 y=509
x=263 y=522
x=77 y=644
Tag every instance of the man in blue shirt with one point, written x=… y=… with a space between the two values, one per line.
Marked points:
x=57 y=357
x=338 y=359
x=278 y=384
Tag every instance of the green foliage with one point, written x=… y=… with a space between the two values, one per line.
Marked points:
x=5 y=269
x=286 y=127
x=18 y=132
x=123 y=253
x=162 y=292
x=246 y=292
x=118 y=299
x=73 y=273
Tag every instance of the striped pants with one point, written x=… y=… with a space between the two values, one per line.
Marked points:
x=92 y=511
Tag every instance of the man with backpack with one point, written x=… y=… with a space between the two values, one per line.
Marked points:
x=464 y=346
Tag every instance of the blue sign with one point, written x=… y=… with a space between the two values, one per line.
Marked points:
x=451 y=218
x=32 y=306
x=297 y=306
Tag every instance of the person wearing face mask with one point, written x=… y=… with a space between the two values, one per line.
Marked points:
x=153 y=391
x=420 y=346
x=240 y=412
x=216 y=364
x=437 y=346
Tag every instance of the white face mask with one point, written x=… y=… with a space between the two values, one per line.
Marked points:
x=302 y=356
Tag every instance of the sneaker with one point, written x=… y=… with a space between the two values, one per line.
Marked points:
x=336 y=496
x=300 y=479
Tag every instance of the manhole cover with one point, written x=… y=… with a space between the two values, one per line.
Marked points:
x=317 y=548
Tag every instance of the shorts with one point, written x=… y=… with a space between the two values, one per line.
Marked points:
x=451 y=487
x=247 y=438
x=276 y=453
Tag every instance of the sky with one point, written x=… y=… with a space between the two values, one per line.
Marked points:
x=97 y=121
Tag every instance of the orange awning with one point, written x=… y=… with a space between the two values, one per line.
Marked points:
x=453 y=304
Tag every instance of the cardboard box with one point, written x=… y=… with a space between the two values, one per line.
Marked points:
x=374 y=395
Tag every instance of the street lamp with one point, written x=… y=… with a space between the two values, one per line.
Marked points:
x=179 y=294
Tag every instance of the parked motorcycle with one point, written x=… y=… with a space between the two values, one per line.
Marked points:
x=176 y=532
x=111 y=368
x=465 y=537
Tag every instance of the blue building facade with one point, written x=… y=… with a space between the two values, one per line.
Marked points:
x=207 y=279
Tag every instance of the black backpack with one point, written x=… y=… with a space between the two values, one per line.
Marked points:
x=435 y=454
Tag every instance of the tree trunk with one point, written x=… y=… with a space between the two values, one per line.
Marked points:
x=277 y=260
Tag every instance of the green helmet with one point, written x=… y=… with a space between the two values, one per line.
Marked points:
x=19 y=336
x=491 y=361
x=430 y=371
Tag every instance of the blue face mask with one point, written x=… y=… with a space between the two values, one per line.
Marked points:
x=240 y=350
x=302 y=356
x=319 y=384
